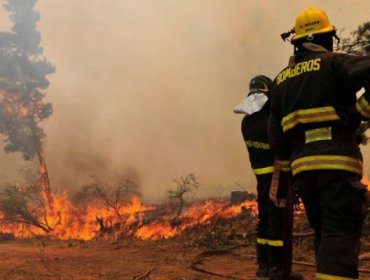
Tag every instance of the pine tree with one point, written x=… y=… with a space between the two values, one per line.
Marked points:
x=23 y=71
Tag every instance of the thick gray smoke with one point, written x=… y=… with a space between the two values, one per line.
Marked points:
x=23 y=73
x=152 y=83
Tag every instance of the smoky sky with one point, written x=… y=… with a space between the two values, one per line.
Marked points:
x=151 y=84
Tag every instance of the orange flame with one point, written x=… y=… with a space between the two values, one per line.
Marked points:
x=59 y=217
x=23 y=111
x=14 y=105
x=197 y=214
x=365 y=180
x=66 y=221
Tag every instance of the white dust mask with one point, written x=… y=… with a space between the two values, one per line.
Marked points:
x=251 y=104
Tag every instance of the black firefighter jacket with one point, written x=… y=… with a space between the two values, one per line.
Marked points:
x=315 y=113
x=254 y=130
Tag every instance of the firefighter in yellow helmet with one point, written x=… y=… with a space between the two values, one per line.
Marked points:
x=312 y=129
x=272 y=247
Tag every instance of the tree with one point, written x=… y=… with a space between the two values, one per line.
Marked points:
x=358 y=42
x=184 y=186
x=23 y=72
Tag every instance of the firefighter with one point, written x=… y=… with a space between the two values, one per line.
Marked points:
x=270 y=239
x=312 y=129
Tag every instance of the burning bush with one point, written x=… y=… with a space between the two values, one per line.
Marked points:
x=101 y=210
x=22 y=207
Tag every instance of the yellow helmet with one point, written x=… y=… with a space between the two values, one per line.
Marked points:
x=311 y=21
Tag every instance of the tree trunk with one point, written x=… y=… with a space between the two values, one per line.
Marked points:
x=44 y=182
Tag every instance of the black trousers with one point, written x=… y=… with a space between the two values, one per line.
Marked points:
x=270 y=225
x=335 y=203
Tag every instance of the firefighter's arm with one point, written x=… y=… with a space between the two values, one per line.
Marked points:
x=355 y=70
x=277 y=139
x=363 y=104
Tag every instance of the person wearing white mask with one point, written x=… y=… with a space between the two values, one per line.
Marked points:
x=271 y=249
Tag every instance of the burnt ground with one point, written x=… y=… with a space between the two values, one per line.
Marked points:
x=41 y=259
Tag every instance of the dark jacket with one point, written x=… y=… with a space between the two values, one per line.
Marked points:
x=254 y=130
x=315 y=114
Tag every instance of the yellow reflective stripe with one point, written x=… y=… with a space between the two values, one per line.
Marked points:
x=257 y=145
x=265 y=170
x=332 y=277
x=320 y=114
x=262 y=241
x=274 y=243
x=327 y=162
x=363 y=106
x=318 y=134
x=284 y=165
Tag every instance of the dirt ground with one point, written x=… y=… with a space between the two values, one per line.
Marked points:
x=41 y=259
x=45 y=259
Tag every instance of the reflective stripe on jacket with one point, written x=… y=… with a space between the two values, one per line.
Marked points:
x=312 y=115
x=323 y=276
x=327 y=162
x=315 y=113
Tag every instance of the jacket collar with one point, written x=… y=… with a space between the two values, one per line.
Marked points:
x=310 y=47
x=314 y=47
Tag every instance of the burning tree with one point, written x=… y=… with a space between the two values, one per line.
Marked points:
x=23 y=72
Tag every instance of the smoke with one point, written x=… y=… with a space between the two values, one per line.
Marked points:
x=151 y=85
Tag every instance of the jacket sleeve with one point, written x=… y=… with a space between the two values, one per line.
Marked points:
x=355 y=70
x=278 y=142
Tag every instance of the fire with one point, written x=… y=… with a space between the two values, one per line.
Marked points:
x=157 y=230
x=64 y=221
x=197 y=214
x=365 y=180
x=15 y=106
x=23 y=111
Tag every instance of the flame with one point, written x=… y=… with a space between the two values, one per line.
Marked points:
x=23 y=111
x=366 y=181
x=63 y=220
x=15 y=106
x=197 y=214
